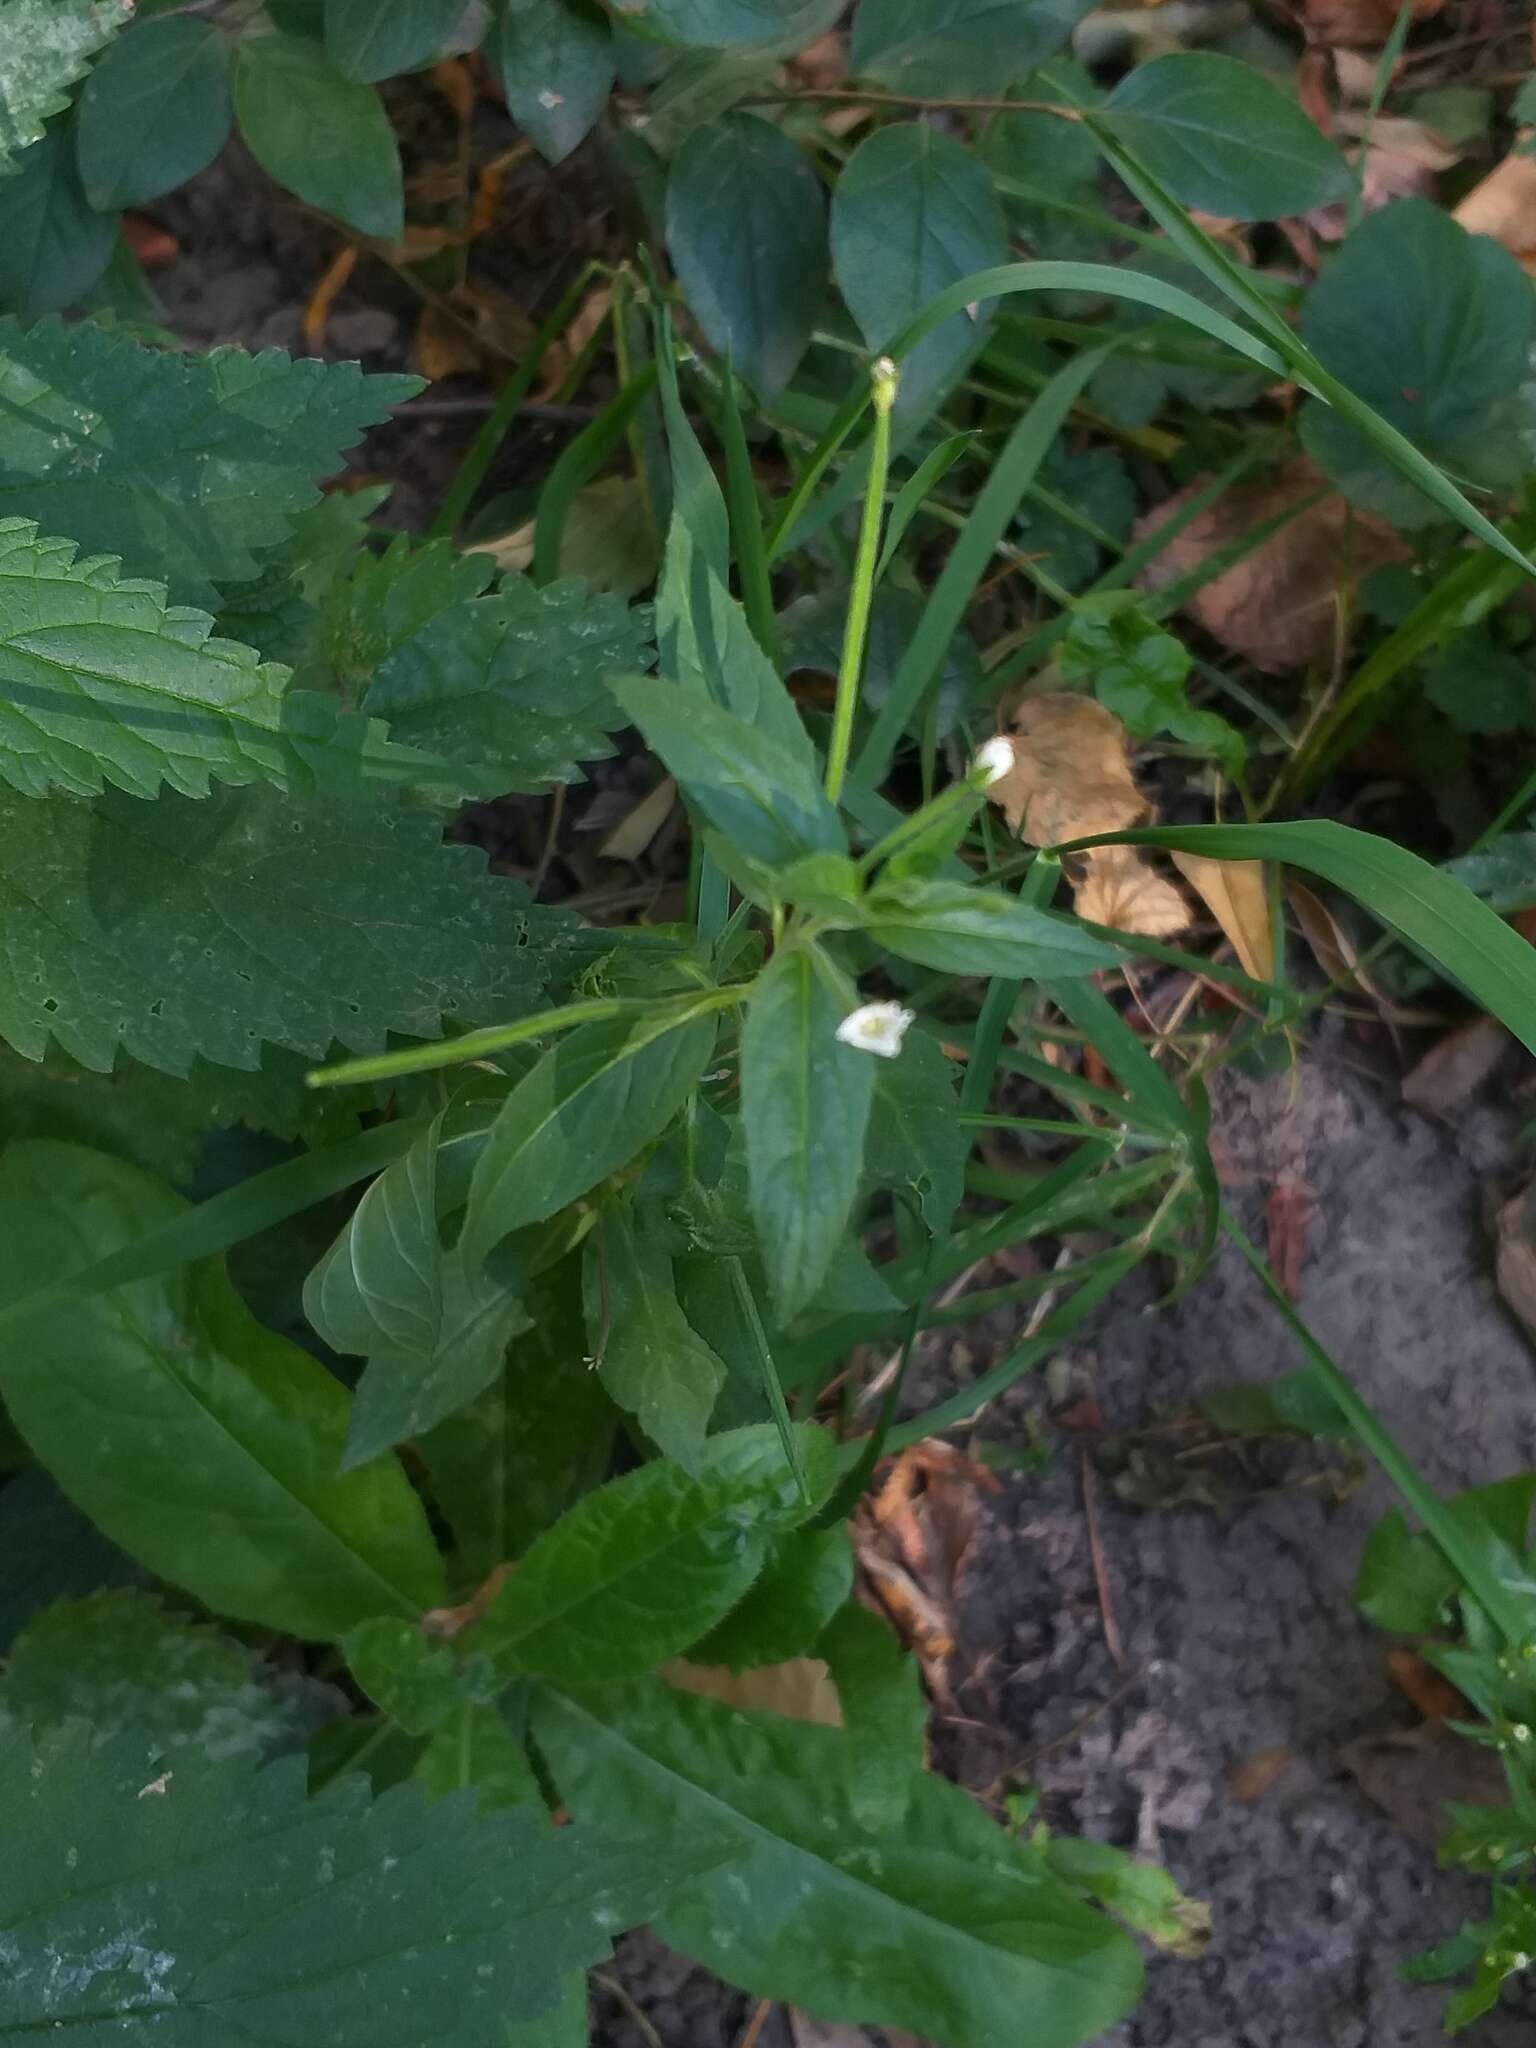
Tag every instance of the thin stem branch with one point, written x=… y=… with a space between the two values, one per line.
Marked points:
x=847 y=97
x=882 y=378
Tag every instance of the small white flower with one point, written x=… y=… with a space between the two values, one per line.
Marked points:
x=994 y=760
x=877 y=1028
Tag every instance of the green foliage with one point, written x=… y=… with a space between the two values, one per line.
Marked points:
x=652 y=1362
x=318 y=133
x=371 y=39
x=44 y=47
x=251 y=1909
x=155 y=110
x=1221 y=138
x=746 y=229
x=555 y=62
x=1138 y=671
x=53 y=245
x=958 y=47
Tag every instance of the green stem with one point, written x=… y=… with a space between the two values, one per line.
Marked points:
x=882 y=381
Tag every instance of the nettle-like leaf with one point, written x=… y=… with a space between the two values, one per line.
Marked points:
x=188 y=467
x=127 y=1665
x=237 y=1907
x=647 y=1564
x=45 y=45
x=386 y=599
x=178 y=928
x=925 y=1917
x=516 y=683
x=433 y=1328
x=202 y=1443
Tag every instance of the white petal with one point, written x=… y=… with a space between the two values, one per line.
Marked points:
x=876 y=1027
x=994 y=760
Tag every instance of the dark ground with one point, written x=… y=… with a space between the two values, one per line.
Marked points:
x=1238 y=1631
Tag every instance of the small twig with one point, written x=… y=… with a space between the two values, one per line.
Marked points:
x=756 y=2024
x=616 y=1990
x=551 y=840
x=472 y=408
x=1031 y=1757
x=1112 y=1641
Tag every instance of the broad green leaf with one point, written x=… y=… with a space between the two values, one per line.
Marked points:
x=155 y=111
x=1405 y=1579
x=1430 y=326
x=51 y=1553
x=517 y=682
x=746 y=229
x=1502 y=873
x=1436 y=915
x=186 y=466
x=885 y=1709
x=1223 y=139
x=916 y=1139
x=1093 y=482
x=384 y=600
x=652 y=1362
x=593 y=1100
x=808 y=1577
x=508 y=1465
x=44 y=47
x=957 y=47
x=762 y=797
x=319 y=134
x=1138 y=670
x=433 y=1329
x=706 y=645
x=248 y=1911
x=53 y=244
x=477 y=1750
x=372 y=39
x=962 y=930
x=805 y=1104
x=417 y=1682
x=127 y=1665
x=724 y=24
x=1481 y=685
x=932 y=1920
x=200 y=1442
x=638 y=1570
x=914 y=211
x=555 y=62
x=177 y=928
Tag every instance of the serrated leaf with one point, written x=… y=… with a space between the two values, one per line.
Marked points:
x=1222 y=138
x=916 y=1139
x=319 y=134
x=516 y=683
x=53 y=245
x=127 y=1665
x=44 y=47
x=386 y=599
x=177 y=928
x=155 y=111
x=914 y=211
x=805 y=1104
x=433 y=1330
x=594 y=1098
x=203 y=1444
x=806 y=1580
x=372 y=39
x=186 y=466
x=651 y=1360
x=930 y=1920
x=251 y=1912
x=746 y=229
x=51 y=1552
x=765 y=799
x=958 y=47
x=555 y=62
x=638 y=1570
x=961 y=930
x=507 y=1466
x=1138 y=670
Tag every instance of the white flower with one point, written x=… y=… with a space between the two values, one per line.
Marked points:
x=877 y=1028
x=994 y=760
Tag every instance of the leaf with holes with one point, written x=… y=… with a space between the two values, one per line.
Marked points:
x=177 y=928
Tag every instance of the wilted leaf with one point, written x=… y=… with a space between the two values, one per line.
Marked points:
x=1411 y=1775
x=1503 y=205
x=1237 y=896
x=1279 y=606
x=1358 y=24
x=1072 y=778
x=800 y=1690
x=1453 y=1070
x=1515 y=1265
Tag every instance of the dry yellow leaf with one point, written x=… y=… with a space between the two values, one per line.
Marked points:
x=1503 y=205
x=799 y=1690
x=511 y=551
x=1071 y=777
x=1235 y=893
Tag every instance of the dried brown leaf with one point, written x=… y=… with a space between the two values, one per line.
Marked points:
x=1411 y=1775
x=444 y=346
x=1358 y=24
x=1120 y=887
x=799 y=1690
x=1503 y=205
x=1452 y=1071
x=1279 y=605
x=1403 y=160
x=1435 y=1697
x=1237 y=896
x=634 y=833
x=1515 y=1260
x=1252 y=1776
